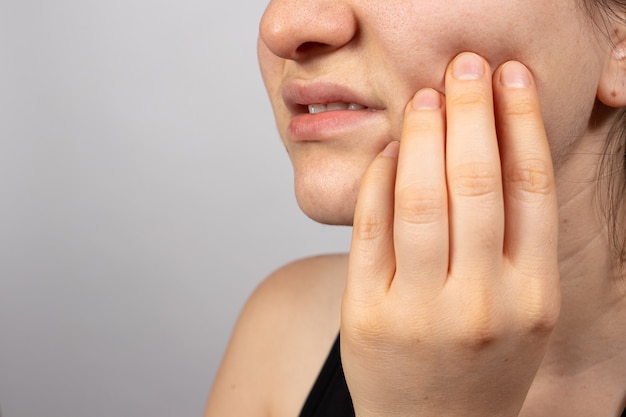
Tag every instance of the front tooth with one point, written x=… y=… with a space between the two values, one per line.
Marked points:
x=317 y=108
x=321 y=108
x=337 y=106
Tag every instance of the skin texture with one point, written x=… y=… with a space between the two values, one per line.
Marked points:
x=388 y=56
x=480 y=280
x=484 y=286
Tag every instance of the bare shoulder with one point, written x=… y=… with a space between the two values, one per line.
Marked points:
x=281 y=340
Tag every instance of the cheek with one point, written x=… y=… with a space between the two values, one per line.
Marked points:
x=566 y=60
x=566 y=120
x=567 y=80
x=422 y=40
x=272 y=69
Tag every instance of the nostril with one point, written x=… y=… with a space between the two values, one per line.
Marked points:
x=307 y=47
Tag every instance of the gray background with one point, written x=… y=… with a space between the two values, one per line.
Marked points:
x=144 y=193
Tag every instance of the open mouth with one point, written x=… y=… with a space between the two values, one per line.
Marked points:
x=321 y=108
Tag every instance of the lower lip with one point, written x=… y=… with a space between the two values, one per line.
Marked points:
x=329 y=125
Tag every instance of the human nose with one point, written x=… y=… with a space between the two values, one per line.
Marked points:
x=296 y=30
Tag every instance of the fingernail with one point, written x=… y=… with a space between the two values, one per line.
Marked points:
x=391 y=150
x=515 y=75
x=468 y=66
x=427 y=99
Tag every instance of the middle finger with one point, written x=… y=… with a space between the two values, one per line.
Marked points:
x=473 y=171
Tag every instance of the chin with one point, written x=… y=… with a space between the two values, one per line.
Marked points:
x=327 y=201
x=327 y=177
x=326 y=215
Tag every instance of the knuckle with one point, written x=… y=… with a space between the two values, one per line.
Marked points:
x=481 y=323
x=367 y=322
x=522 y=106
x=364 y=327
x=479 y=334
x=540 y=315
x=469 y=98
x=542 y=323
x=369 y=225
x=416 y=205
x=415 y=124
x=475 y=179
x=532 y=176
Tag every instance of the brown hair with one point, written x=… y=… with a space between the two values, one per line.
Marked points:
x=612 y=170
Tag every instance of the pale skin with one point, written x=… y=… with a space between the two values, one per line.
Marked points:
x=480 y=280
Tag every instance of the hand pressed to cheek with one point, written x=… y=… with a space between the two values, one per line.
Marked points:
x=473 y=169
x=530 y=205
x=452 y=288
x=421 y=202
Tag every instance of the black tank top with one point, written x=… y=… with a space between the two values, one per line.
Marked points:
x=330 y=396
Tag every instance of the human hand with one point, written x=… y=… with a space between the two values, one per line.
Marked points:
x=453 y=285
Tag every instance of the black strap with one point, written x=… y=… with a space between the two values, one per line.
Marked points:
x=330 y=396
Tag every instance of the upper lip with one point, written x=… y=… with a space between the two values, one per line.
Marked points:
x=298 y=94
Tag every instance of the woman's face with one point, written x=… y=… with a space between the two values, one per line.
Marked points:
x=356 y=64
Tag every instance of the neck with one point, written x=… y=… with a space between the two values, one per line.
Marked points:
x=587 y=348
